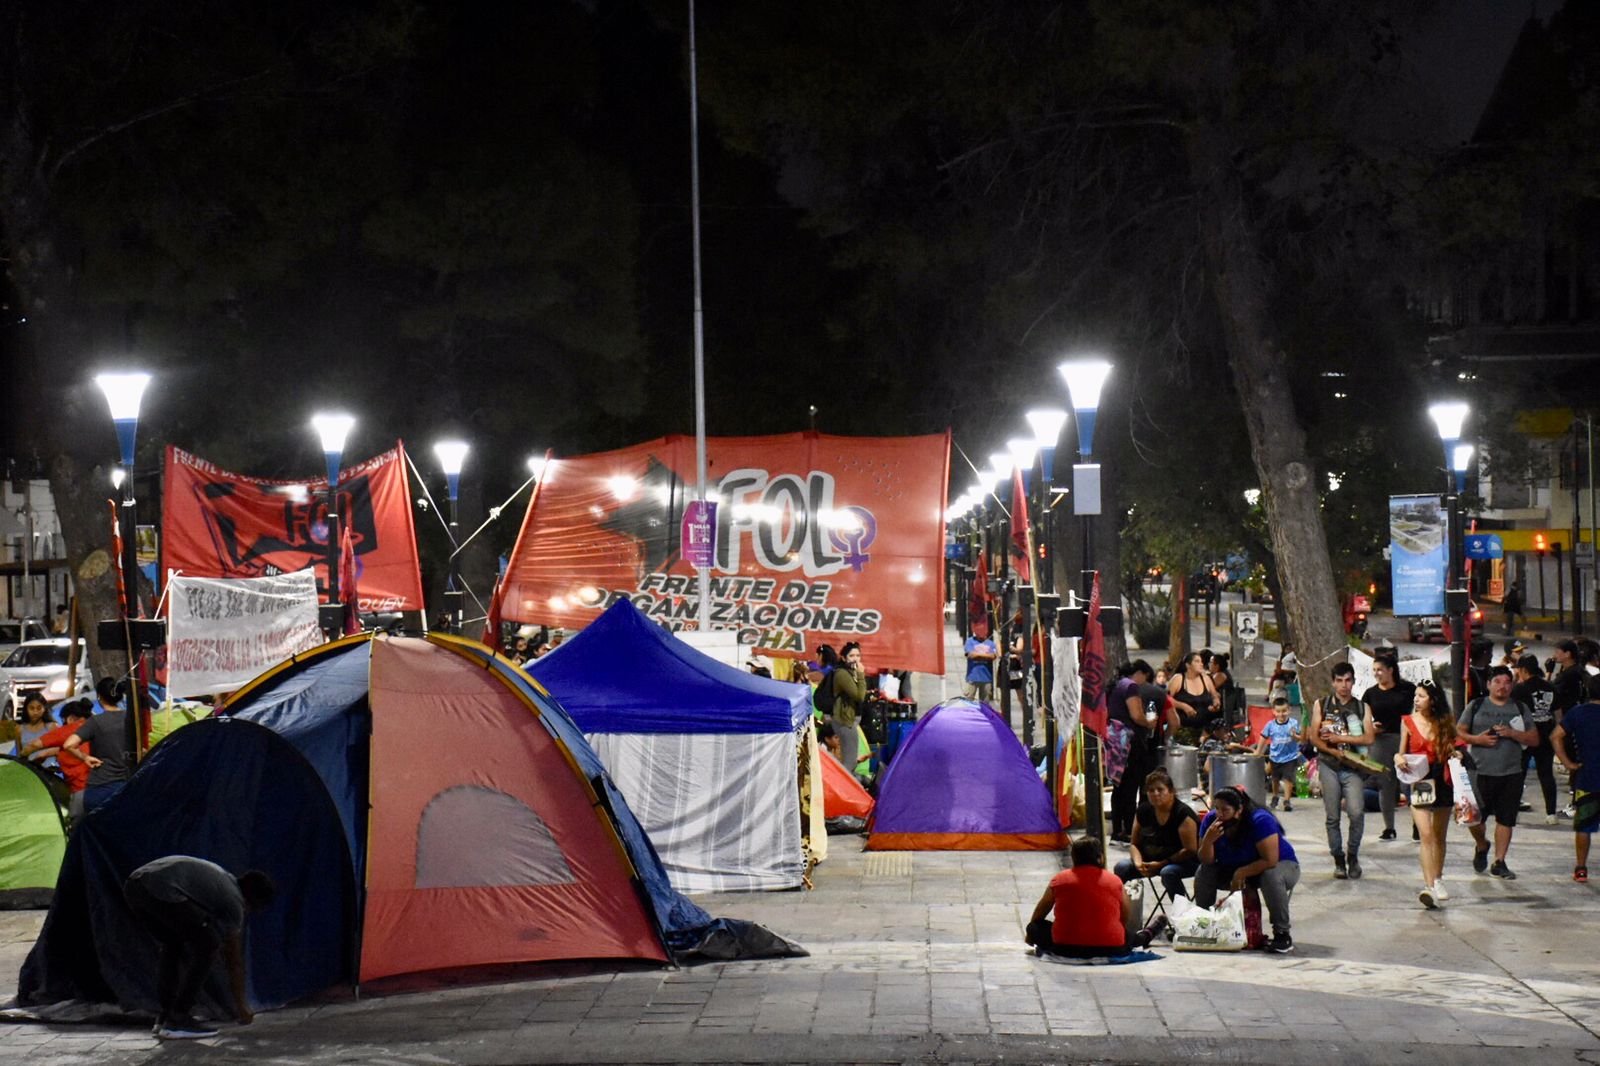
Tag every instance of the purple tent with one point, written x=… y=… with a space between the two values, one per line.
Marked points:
x=963 y=782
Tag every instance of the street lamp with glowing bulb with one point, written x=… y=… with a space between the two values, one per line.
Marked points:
x=452 y=456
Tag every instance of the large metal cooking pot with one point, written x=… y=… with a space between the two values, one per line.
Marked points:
x=1245 y=771
x=1183 y=764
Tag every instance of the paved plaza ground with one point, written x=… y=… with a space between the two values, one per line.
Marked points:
x=918 y=957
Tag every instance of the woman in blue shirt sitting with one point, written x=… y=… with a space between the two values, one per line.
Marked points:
x=1242 y=844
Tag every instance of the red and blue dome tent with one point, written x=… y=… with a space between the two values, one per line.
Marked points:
x=421 y=804
x=962 y=781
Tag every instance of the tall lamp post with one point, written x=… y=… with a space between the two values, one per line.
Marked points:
x=1000 y=467
x=1085 y=378
x=332 y=430
x=1449 y=418
x=452 y=456
x=1047 y=424
x=124 y=393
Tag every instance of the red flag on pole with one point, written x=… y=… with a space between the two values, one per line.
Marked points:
x=1021 y=530
x=347 y=581
x=1093 y=667
x=978 y=603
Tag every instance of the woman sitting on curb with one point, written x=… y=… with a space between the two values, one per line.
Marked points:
x=1243 y=844
x=1091 y=911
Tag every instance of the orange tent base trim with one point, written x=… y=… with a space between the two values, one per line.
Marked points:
x=967 y=842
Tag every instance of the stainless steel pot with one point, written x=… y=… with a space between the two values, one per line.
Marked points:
x=1183 y=763
x=1245 y=771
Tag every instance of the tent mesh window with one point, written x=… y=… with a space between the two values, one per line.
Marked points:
x=473 y=837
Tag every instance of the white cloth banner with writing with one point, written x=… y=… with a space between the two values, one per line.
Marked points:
x=1413 y=670
x=226 y=631
x=1066 y=687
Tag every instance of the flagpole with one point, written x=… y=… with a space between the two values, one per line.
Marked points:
x=702 y=573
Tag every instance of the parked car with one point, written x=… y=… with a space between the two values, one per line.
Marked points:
x=1427 y=627
x=14 y=631
x=41 y=666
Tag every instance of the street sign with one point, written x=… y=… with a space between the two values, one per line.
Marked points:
x=1583 y=555
x=700 y=533
x=1483 y=546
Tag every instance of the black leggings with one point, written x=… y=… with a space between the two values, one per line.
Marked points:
x=1544 y=757
x=1125 y=796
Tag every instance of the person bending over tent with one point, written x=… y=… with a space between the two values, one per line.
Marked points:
x=192 y=907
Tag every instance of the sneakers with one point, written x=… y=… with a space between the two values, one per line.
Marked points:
x=182 y=1029
x=1274 y=804
x=1354 y=865
x=1288 y=806
x=1480 y=860
x=1427 y=898
x=1551 y=819
x=1388 y=834
x=1580 y=874
x=1340 y=873
x=1281 y=943
x=1439 y=892
x=1502 y=871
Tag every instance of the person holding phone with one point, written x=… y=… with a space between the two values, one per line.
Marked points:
x=1497 y=730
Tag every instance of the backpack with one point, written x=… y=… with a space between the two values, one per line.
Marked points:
x=822 y=698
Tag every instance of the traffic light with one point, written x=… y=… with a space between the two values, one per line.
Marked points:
x=1539 y=544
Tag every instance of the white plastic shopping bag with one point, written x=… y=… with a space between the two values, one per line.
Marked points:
x=1467 y=810
x=1219 y=928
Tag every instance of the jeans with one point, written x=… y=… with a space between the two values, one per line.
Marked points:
x=1172 y=874
x=1274 y=885
x=95 y=795
x=1383 y=750
x=1341 y=782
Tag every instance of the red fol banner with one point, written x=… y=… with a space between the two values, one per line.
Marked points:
x=221 y=524
x=819 y=540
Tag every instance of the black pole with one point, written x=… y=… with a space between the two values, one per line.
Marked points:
x=130 y=610
x=1577 y=574
x=1453 y=606
x=1002 y=622
x=1561 y=591
x=332 y=554
x=452 y=588
x=1045 y=561
x=1094 y=798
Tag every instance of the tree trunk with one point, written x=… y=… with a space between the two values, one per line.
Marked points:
x=77 y=435
x=1241 y=286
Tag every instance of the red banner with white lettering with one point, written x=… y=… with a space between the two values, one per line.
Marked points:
x=216 y=523
x=819 y=540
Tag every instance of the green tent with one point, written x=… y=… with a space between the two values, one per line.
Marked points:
x=33 y=833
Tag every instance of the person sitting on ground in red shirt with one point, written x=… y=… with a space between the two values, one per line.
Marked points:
x=1091 y=910
x=73 y=714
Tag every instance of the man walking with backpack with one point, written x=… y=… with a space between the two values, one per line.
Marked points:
x=1497 y=730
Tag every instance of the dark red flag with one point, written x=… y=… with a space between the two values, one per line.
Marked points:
x=1092 y=669
x=1021 y=530
x=978 y=601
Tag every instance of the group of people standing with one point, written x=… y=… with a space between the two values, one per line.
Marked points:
x=83 y=741
x=1410 y=733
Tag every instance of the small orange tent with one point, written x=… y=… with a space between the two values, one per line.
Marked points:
x=842 y=794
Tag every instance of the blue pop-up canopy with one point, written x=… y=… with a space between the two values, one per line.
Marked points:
x=704 y=752
x=624 y=674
